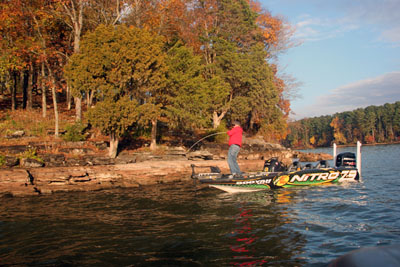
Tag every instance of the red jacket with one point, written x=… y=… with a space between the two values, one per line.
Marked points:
x=235 y=136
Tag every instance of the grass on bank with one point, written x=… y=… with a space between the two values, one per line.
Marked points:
x=39 y=129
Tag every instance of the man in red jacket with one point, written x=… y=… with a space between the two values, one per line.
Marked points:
x=235 y=142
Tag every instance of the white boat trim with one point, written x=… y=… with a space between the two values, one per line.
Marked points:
x=237 y=189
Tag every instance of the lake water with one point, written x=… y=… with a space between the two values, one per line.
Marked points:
x=167 y=225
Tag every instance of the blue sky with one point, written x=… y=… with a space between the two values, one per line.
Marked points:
x=348 y=56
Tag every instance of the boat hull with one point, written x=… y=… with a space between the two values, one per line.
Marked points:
x=250 y=182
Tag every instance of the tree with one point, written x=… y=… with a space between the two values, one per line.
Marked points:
x=17 y=43
x=113 y=119
x=44 y=29
x=369 y=123
x=396 y=119
x=117 y=62
x=387 y=121
x=186 y=98
x=234 y=42
x=81 y=16
x=50 y=33
x=228 y=35
x=337 y=126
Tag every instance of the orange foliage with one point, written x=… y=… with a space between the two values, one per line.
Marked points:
x=337 y=125
x=168 y=18
x=369 y=139
x=270 y=26
x=203 y=20
x=16 y=37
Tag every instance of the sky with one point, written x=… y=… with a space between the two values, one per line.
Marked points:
x=347 y=54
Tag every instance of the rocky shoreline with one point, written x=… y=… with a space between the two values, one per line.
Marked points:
x=83 y=166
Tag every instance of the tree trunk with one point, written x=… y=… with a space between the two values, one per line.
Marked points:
x=26 y=87
x=53 y=92
x=137 y=11
x=14 y=92
x=113 y=146
x=54 y=95
x=75 y=13
x=251 y=123
x=90 y=100
x=69 y=98
x=217 y=119
x=153 y=144
x=78 y=109
x=29 y=103
x=43 y=85
x=23 y=86
x=9 y=82
x=77 y=38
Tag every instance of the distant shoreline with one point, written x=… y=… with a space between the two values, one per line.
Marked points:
x=350 y=145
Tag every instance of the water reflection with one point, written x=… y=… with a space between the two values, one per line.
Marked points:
x=258 y=235
x=243 y=237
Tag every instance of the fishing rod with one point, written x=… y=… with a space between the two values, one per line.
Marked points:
x=203 y=139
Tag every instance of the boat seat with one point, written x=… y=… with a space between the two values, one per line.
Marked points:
x=308 y=166
x=322 y=164
x=295 y=166
x=215 y=169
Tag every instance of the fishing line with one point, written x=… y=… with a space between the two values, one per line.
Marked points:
x=203 y=139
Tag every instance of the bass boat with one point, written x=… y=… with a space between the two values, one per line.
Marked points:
x=276 y=175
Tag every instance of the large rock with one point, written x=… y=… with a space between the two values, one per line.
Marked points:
x=77 y=151
x=53 y=160
x=11 y=161
x=31 y=163
x=16 y=134
x=200 y=155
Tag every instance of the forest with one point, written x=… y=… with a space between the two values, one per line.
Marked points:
x=370 y=125
x=146 y=67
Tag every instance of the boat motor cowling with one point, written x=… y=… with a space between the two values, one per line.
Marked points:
x=273 y=165
x=346 y=159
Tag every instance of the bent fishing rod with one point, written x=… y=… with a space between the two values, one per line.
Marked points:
x=203 y=139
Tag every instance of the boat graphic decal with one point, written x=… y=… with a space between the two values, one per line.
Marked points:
x=318 y=176
x=348 y=175
x=262 y=181
x=282 y=180
x=322 y=177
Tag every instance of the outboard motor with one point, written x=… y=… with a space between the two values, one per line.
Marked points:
x=273 y=165
x=346 y=159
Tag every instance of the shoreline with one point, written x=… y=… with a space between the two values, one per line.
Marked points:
x=351 y=145
x=48 y=180
x=88 y=171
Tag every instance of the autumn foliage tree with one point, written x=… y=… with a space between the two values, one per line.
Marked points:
x=17 y=44
x=373 y=124
x=191 y=64
x=337 y=126
x=236 y=39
